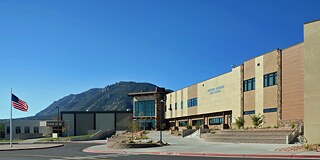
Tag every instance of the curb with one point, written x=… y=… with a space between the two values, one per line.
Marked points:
x=33 y=148
x=208 y=154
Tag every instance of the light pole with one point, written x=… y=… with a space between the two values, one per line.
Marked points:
x=161 y=106
x=58 y=121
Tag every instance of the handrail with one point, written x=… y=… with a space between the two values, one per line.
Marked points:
x=293 y=134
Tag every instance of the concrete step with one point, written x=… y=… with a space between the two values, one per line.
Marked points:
x=253 y=140
x=255 y=132
x=248 y=136
x=242 y=136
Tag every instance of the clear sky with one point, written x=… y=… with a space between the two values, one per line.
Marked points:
x=50 y=49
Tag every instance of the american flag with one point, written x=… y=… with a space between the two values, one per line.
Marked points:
x=18 y=103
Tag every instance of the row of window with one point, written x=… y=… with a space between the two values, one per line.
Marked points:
x=26 y=129
x=216 y=121
x=266 y=110
x=268 y=80
x=192 y=102
x=249 y=84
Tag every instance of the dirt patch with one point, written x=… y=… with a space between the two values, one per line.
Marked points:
x=129 y=140
x=301 y=148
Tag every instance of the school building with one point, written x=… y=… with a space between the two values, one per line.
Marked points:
x=283 y=85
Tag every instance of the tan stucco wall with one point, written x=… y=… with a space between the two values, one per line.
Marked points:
x=227 y=99
x=311 y=81
x=259 y=85
x=271 y=119
x=249 y=96
x=270 y=97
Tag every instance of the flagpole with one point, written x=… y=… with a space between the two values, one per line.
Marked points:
x=11 y=119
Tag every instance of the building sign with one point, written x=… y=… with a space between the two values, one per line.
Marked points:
x=216 y=89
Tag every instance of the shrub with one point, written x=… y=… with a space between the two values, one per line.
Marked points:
x=293 y=125
x=257 y=120
x=275 y=126
x=197 y=127
x=188 y=126
x=240 y=122
x=268 y=127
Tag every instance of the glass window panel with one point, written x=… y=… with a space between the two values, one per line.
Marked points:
x=253 y=83
x=265 y=81
x=275 y=78
x=249 y=85
x=271 y=80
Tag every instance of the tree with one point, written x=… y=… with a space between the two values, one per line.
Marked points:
x=240 y=122
x=133 y=126
x=257 y=120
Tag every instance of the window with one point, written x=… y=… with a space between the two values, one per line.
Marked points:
x=8 y=130
x=35 y=129
x=192 y=102
x=144 y=108
x=249 y=84
x=249 y=112
x=198 y=122
x=268 y=110
x=181 y=104
x=183 y=123
x=216 y=121
x=26 y=129
x=175 y=106
x=18 y=129
x=170 y=107
x=270 y=79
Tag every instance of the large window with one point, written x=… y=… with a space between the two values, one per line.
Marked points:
x=8 y=130
x=249 y=84
x=216 y=121
x=147 y=124
x=183 y=123
x=144 y=108
x=197 y=122
x=270 y=79
x=192 y=102
x=35 y=129
x=18 y=130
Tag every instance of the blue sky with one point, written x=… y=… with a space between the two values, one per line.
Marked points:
x=50 y=49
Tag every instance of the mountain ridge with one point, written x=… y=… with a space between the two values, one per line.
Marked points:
x=110 y=98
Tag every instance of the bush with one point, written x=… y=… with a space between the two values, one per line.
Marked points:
x=240 y=122
x=257 y=120
x=197 y=127
x=293 y=125
x=189 y=127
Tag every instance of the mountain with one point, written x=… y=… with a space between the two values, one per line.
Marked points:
x=111 y=98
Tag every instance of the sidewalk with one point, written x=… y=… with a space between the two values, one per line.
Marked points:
x=6 y=147
x=198 y=147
